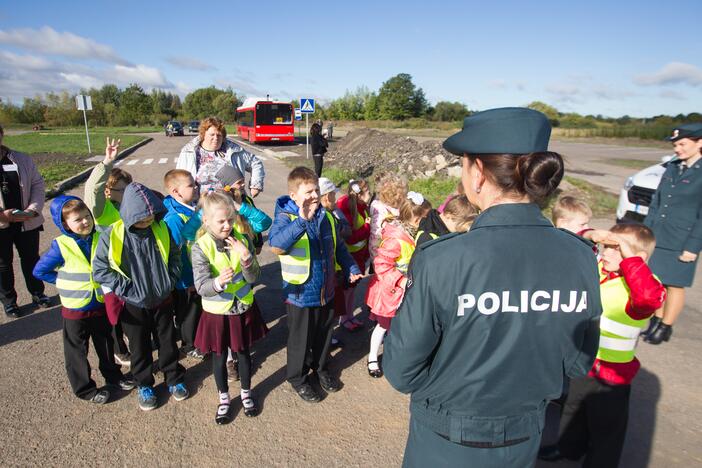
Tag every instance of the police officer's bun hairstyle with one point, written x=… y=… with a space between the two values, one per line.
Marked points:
x=535 y=175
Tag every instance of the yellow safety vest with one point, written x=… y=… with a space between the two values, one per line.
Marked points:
x=223 y=302
x=163 y=241
x=419 y=233
x=295 y=265
x=406 y=250
x=109 y=215
x=618 y=331
x=360 y=245
x=75 y=278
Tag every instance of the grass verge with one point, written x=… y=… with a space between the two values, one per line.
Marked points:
x=65 y=143
x=628 y=163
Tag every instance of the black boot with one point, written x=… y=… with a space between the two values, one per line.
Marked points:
x=660 y=334
x=652 y=325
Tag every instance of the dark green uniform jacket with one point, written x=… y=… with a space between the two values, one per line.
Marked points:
x=490 y=323
x=675 y=214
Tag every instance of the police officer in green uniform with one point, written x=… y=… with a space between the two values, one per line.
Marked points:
x=494 y=318
x=675 y=217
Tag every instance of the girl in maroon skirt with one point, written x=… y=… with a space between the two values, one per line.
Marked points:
x=225 y=268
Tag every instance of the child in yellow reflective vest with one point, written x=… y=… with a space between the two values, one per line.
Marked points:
x=69 y=263
x=224 y=269
x=457 y=216
x=596 y=410
x=387 y=286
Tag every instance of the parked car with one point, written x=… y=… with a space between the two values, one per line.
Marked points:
x=635 y=197
x=174 y=127
x=194 y=126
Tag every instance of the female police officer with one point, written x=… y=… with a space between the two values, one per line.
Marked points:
x=493 y=318
x=675 y=217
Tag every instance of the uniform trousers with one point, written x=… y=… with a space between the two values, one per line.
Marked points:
x=594 y=421
x=318 y=163
x=76 y=336
x=188 y=307
x=139 y=324
x=27 y=245
x=309 y=337
x=426 y=448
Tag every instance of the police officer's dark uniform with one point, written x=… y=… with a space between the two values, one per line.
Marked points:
x=492 y=319
x=675 y=217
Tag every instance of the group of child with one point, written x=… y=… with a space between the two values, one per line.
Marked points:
x=129 y=261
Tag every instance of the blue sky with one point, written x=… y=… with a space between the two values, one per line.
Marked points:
x=640 y=58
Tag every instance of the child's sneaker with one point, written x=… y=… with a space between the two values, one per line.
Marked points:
x=101 y=397
x=127 y=383
x=147 y=398
x=41 y=300
x=196 y=354
x=179 y=391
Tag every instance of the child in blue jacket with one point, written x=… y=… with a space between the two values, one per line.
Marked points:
x=68 y=265
x=309 y=245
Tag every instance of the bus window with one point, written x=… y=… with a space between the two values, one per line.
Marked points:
x=273 y=114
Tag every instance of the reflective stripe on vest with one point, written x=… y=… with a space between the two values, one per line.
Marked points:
x=295 y=265
x=75 y=277
x=419 y=233
x=360 y=245
x=406 y=250
x=618 y=331
x=223 y=302
x=163 y=241
x=109 y=215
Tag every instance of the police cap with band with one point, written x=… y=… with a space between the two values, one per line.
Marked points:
x=691 y=130
x=507 y=130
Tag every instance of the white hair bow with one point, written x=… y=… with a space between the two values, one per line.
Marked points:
x=416 y=198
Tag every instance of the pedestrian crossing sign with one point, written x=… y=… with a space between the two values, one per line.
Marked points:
x=307 y=106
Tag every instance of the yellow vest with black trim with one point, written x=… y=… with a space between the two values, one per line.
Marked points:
x=618 y=331
x=360 y=245
x=419 y=233
x=74 y=279
x=223 y=302
x=295 y=265
x=109 y=215
x=163 y=241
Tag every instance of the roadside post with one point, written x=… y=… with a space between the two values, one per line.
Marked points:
x=85 y=103
x=307 y=108
x=298 y=118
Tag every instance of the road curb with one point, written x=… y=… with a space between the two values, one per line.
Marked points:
x=65 y=184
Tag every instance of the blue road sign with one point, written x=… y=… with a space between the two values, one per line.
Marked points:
x=307 y=106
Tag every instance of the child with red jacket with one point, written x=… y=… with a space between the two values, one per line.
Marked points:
x=596 y=410
x=354 y=206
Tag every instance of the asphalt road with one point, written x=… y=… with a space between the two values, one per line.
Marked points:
x=364 y=424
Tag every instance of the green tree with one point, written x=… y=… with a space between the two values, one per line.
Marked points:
x=61 y=110
x=445 y=111
x=201 y=103
x=33 y=110
x=135 y=107
x=550 y=111
x=400 y=99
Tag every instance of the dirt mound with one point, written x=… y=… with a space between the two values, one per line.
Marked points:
x=366 y=151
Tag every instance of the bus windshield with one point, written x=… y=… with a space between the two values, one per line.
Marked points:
x=274 y=114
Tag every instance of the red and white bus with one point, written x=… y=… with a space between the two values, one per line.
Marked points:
x=262 y=120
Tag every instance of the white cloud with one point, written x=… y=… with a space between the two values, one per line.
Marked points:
x=82 y=81
x=141 y=74
x=672 y=73
x=25 y=62
x=49 y=41
x=190 y=63
x=497 y=84
x=241 y=87
x=566 y=92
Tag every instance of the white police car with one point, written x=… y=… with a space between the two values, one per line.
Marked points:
x=638 y=190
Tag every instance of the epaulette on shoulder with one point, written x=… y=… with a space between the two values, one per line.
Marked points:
x=438 y=240
x=581 y=239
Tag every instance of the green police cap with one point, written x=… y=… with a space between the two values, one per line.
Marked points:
x=507 y=130
x=692 y=130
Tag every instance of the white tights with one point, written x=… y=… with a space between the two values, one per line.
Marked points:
x=376 y=340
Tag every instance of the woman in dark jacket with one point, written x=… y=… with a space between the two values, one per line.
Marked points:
x=319 y=147
x=675 y=217
x=21 y=202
